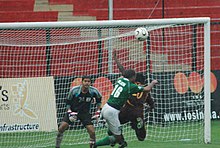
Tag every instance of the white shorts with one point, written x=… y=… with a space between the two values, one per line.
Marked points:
x=110 y=114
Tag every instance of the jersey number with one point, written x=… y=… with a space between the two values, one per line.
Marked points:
x=117 y=91
x=138 y=95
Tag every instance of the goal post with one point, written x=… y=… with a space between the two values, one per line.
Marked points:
x=41 y=61
x=207 y=102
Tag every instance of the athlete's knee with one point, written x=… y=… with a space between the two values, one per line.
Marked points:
x=91 y=131
x=110 y=133
x=63 y=127
x=140 y=123
x=118 y=138
x=141 y=134
x=92 y=134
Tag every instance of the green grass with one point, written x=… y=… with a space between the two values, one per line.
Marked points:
x=215 y=142
x=15 y=140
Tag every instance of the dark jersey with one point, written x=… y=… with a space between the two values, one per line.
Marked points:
x=81 y=102
x=138 y=99
x=133 y=111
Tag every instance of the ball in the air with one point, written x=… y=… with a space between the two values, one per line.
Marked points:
x=141 y=34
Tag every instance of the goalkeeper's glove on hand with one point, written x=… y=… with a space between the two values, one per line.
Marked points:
x=97 y=114
x=72 y=116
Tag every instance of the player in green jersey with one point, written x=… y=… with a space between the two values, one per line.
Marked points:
x=133 y=110
x=110 y=112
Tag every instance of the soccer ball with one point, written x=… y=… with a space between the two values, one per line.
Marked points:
x=141 y=34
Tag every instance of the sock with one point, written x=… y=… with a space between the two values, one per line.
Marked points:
x=59 y=139
x=91 y=143
x=123 y=144
x=106 y=141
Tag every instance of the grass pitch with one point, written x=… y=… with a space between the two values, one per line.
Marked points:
x=215 y=142
x=28 y=140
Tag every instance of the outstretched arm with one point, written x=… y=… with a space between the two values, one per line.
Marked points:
x=120 y=67
x=150 y=86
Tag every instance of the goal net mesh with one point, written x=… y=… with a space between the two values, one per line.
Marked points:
x=172 y=54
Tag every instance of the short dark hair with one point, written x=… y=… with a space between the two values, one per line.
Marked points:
x=129 y=73
x=140 y=78
x=86 y=77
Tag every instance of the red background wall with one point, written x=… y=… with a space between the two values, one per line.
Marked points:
x=51 y=10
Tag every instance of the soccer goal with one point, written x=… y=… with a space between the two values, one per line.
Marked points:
x=41 y=61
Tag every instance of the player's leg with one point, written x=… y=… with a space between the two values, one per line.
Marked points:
x=111 y=116
x=122 y=137
x=106 y=114
x=85 y=118
x=124 y=115
x=127 y=113
x=135 y=115
x=63 y=126
x=91 y=131
x=122 y=143
x=138 y=124
x=111 y=134
x=139 y=127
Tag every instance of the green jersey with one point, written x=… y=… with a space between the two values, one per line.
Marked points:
x=122 y=91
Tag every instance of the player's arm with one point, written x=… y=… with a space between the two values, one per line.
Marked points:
x=68 y=101
x=98 y=103
x=72 y=115
x=136 y=89
x=150 y=86
x=98 y=98
x=120 y=67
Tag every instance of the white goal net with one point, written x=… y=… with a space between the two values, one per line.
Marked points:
x=40 y=62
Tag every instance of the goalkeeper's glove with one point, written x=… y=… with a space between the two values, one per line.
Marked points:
x=72 y=116
x=97 y=114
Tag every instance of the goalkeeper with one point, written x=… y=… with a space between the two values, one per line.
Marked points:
x=133 y=109
x=78 y=103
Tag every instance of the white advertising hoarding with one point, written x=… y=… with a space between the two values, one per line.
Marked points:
x=27 y=104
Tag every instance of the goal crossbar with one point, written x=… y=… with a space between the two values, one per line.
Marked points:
x=110 y=23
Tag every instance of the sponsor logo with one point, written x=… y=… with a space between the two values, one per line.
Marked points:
x=186 y=116
x=20 y=97
x=4 y=99
x=19 y=127
x=194 y=81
